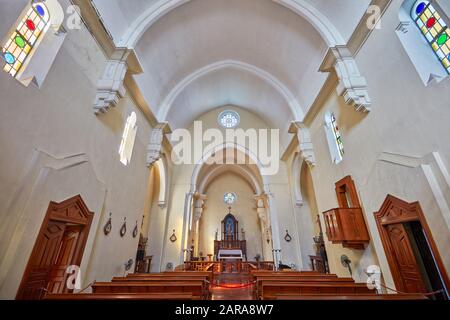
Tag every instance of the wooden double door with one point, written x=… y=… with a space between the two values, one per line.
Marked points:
x=60 y=244
x=412 y=255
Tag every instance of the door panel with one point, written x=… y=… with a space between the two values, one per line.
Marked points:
x=67 y=248
x=406 y=261
x=42 y=260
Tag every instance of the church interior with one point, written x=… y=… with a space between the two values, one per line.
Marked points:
x=224 y=150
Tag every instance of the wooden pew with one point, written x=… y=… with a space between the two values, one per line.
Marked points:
x=256 y=273
x=196 y=288
x=270 y=289
x=167 y=278
x=207 y=274
x=296 y=278
x=351 y=297
x=120 y=296
x=154 y=279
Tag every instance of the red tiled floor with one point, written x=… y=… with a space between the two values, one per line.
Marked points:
x=231 y=286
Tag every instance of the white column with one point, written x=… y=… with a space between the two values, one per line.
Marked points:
x=275 y=230
x=198 y=211
x=265 y=228
x=186 y=225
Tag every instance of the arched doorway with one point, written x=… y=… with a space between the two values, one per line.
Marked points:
x=154 y=220
x=412 y=255
x=245 y=174
x=242 y=208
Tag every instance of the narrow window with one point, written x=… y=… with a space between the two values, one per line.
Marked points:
x=25 y=38
x=128 y=138
x=433 y=27
x=334 y=138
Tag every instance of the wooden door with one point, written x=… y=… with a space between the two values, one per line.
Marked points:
x=406 y=261
x=391 y=219
x=42 y=261
x=60 y=243
x=65 y=256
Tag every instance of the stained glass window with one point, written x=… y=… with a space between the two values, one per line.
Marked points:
x=337 y=135
x=229 y=198
x=128 y=138
x=334 y=138
x=434 y=29
x=24 y=38
x=229 y=119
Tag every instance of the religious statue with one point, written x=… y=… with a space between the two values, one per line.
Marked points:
x=229 y=228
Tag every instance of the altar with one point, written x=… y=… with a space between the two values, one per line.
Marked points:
x=235 y=254
x=231 y=250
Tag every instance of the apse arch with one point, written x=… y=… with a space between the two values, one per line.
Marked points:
x=295 y=107
x=302 y=8
x=242 y=171
x=195 y=179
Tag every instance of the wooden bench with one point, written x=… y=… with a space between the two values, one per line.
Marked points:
x=280 y=274
x=196 y=288
x=167 y=278
x=120 y=296
x=207 y=274
x=303 y=278
x=351 y=297
x=270 y=289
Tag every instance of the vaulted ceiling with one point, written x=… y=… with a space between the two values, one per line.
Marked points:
x=261 y=55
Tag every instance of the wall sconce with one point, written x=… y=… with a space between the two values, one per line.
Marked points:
x=135 y=230
x=108 y=225
x=123 y=230
x=267 y=236
x=287 y=237
x=173 y=237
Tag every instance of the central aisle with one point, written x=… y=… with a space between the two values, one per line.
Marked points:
x=232 y=286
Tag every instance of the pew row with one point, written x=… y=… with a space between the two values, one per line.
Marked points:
x=295 y=279
x=268 y=290
x=400 y=297
x=120 y=296
x=196 y=288
x=207 y=274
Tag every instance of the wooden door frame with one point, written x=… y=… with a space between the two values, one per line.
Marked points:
x=393 y=211
x=55 y=212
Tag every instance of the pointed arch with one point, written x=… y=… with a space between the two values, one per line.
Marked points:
x=303 y=8
x=295 y=107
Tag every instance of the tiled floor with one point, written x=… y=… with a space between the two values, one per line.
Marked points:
x=231 y=286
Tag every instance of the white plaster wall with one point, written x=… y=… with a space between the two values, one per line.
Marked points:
x=58 y=120
x=278 y=184
x=244 y=210
x=408 y=119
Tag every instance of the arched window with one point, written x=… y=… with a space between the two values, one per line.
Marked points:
x=25 y=38
x=432 y=25
x=128 y=137
x=334 y=138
